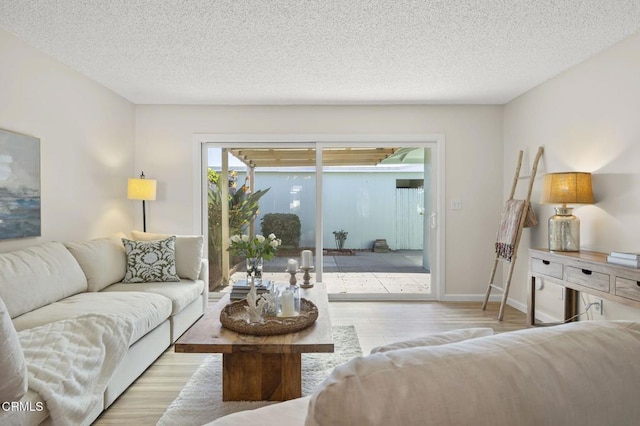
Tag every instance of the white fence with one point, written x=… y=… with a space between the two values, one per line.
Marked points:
x=365 y=204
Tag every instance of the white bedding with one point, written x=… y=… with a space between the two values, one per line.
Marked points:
x=70 y=362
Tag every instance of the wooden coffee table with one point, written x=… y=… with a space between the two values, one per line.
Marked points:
x=258 y=368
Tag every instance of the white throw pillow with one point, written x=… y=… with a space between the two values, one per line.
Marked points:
x=150 y=261
x=102 y=260
x=437 y=339
x=189 y=250
x=13 y=369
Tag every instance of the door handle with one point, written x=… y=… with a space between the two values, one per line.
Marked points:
x=434 y=222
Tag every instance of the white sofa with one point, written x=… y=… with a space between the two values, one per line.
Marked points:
x=56 y=282
x=584 y=373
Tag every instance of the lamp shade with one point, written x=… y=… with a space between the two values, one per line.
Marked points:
x=141 y=189
x=567 y=188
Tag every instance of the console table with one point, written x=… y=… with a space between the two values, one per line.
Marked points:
x=583 y=271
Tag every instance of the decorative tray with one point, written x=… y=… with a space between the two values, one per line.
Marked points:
x=235 y=318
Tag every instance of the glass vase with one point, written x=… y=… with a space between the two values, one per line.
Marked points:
x=254 y=270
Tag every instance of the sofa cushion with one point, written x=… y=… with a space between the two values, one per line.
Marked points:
x=39 y=275
x=437 y=339
x=528 y=377
x=150 y=261
x=189 y=251
x=102 y=260
x=13 y=368
x=291 y=412
x=146 y=310
x=181 y=293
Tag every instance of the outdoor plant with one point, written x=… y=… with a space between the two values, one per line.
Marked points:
x=286 y=225
x=341 y=237
x=243 y=208
x=256 y=247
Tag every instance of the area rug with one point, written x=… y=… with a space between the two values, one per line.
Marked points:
x=200 y=401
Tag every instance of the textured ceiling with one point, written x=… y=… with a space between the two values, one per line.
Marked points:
x=320 y=51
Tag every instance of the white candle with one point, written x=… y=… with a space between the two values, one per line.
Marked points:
x=288 y=309
x=306 y=258
x=292 y=265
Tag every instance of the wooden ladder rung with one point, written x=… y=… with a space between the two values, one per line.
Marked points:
x=497 y=287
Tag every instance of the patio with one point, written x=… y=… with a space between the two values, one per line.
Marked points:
x=396 y=272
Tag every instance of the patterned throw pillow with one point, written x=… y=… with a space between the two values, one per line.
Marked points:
x=150 y=261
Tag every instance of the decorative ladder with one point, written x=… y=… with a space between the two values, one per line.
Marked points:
x=521 y=223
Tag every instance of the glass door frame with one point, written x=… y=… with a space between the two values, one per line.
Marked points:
x=436 y=218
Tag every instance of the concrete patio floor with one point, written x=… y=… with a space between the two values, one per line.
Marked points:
x=397 y=272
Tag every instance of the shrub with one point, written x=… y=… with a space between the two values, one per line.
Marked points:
x=285 y=225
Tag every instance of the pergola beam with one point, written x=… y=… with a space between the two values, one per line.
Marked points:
x=296 y=157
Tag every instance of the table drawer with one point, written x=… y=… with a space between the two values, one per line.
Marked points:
x=588 y=278
x=627 y=288
x=546 y=267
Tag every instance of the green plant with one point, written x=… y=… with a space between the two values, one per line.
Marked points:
x=341 y=237
x=243 y=208
x=286 y=225
x=258 y=246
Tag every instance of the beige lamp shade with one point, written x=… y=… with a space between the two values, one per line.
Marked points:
x=567 y=188
x=141 y=189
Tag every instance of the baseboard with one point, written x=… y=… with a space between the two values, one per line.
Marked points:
x=540 y=316
x=517 y=305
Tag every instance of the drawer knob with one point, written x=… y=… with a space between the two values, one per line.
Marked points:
x=586 y=272
x=546 y=262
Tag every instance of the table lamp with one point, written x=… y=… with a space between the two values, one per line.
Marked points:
x=566 y=188
x=142 y=189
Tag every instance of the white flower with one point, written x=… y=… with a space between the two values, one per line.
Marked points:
x=273 y=243
x=235 y=238
x=272 y=236
x=245 y=238
x=260 y=238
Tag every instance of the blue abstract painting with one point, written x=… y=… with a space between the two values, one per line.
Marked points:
x=19 y=186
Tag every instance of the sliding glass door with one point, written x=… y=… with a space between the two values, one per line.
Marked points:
x=366 y=210
x=375 y=230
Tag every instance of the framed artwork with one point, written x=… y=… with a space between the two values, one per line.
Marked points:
x=19 y=186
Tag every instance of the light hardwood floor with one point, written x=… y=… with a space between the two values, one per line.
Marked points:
x=376 y=323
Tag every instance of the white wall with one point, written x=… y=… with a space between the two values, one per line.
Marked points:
x=86 y=143
x=474 y=150
x=587 y=119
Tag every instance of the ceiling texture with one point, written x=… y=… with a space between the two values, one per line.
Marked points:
x=314 y=52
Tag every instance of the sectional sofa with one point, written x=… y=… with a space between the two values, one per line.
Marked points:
x=584 y=373
x=89 y=317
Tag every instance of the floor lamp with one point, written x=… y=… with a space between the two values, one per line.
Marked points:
x=142 y=189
